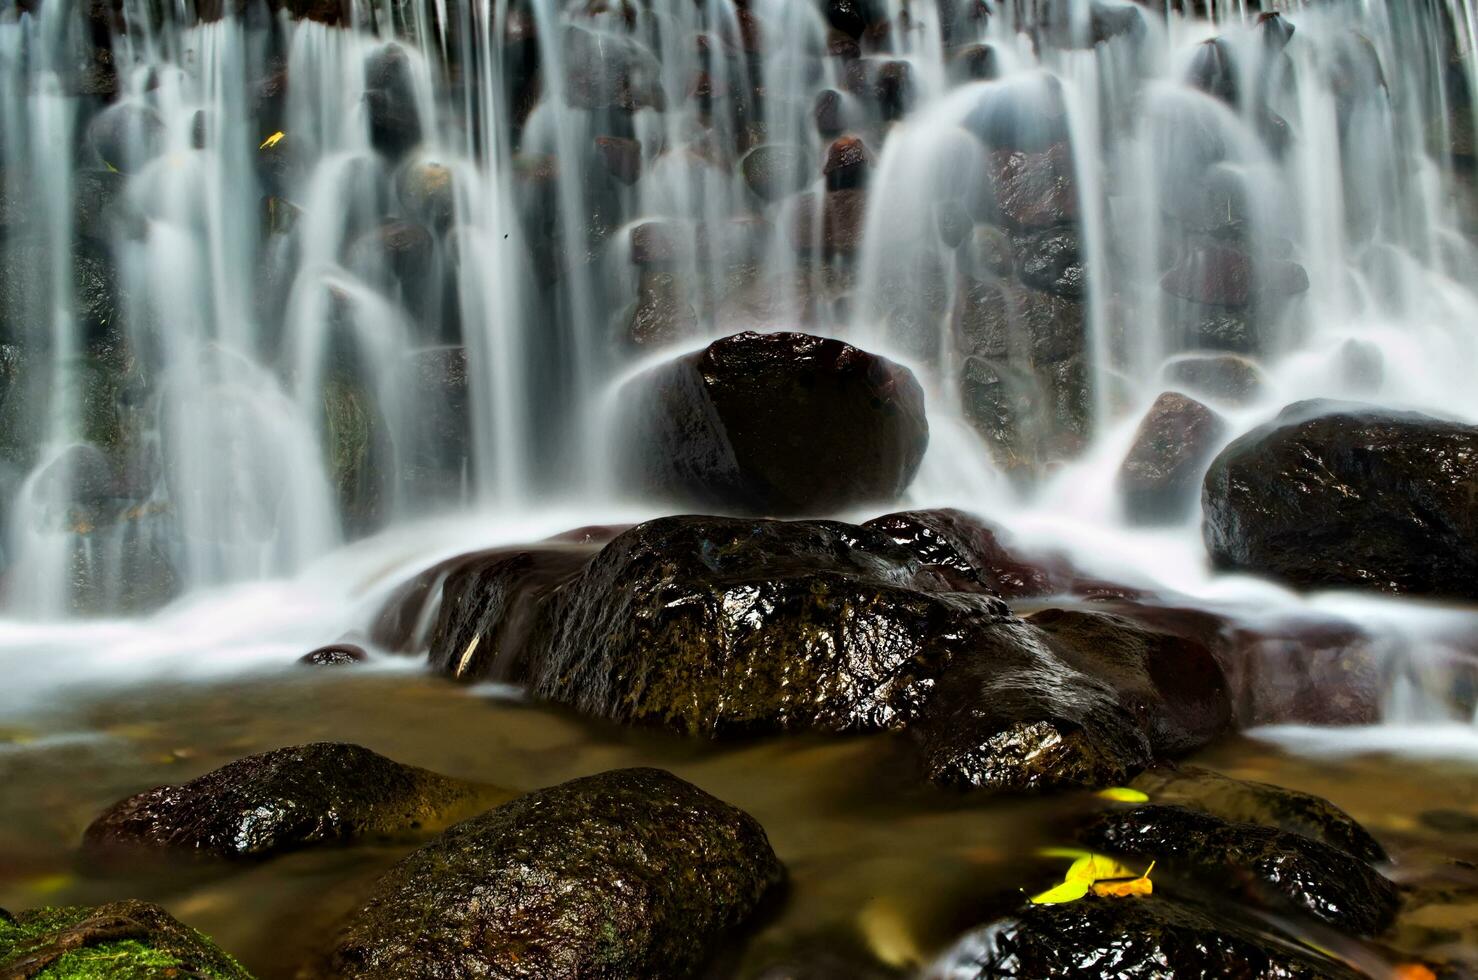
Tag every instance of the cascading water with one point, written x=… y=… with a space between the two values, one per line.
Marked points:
x=276 y=284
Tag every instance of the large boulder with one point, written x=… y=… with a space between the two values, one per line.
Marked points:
x=717 y=626
x=132 y=939
x=782 y=423
x=1162 y=471
x=286 y=799
x=1275 y=868
x=1069 y=699
x=1140 y=937
x=631 y=873
x=1332 y=494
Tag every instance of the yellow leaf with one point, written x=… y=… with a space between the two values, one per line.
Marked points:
x=1125 y=887
x=272 y=140
x=1063 y=852
x=1096 y=867
x=1068 y=891
x=1123 y=794
x=1413 y=971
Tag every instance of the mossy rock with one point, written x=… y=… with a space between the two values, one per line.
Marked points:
x=128 y=940
x=358 y=455
x=322 y=793
x=630 y=873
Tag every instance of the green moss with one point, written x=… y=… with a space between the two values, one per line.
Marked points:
x=118 y=941
x=127 y=960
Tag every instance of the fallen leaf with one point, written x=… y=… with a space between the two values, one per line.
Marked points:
x=1096 y=867
x=1123 y=794
x=1068 y=891
x=1413 y=971
x=272 y=140
x=1124 y=888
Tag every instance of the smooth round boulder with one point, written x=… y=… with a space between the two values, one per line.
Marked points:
x=283 y=800
x=1344 y=495
x=1162 y=470
x=630 y=873
x=782 y=423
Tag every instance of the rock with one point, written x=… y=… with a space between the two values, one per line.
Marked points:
x=1306 y=670
x=1264 y=804
x=662 y=313
x=741 y=423
x=953 y=223
x=490 y=602
x=723 y=626
x=1229 y=378
x=438 y=461
x=1338 y=494
x=129 y=939
x=126 y=136
x=658 y=243
x=1142 y=937
x=324 y=11
x=893 y=89
x=851 y=17
x=840 y=227
x=774 y=171
x=427 y=192
x=1161 y=475
x=401 y=252
x=337 y=655
x=25 y=293
x=631 y=873
x=1219 y=275
x=830 y=113
x=847 y=163
x=974 y=62
x=1214 y=71
x=390 y=101
x=621 y=156
x=609 y=71
x=278 y=801
x=1274 y=868
x=1049 y=260
x=1070 y=699
x=1025 y=114
x=359 y=458
x=1035 y=190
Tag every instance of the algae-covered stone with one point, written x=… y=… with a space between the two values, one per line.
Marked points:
x=358 y=454
x=325 y=792
x=719 y=626
x=1260 y=803
x=1271 y=866
x=1141 y=937
x=128 y=940
x=630 y=873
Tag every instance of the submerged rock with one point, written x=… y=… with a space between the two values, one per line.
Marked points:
x=1069 y=699
x=1260 y=803
x=1333 y=494
x=1220 y=275
x=722 y=626
x=743 y=424
x=1230 y=378
x=774 y=171
x=337 y=655
x=128 y=940
x=1141 y=937
x=286 y=799
x=1269 y=866
x=1162 y=472
x=631 y=873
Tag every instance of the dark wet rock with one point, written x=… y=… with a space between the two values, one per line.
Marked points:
x=847 y=163
x=1269 y=866
x=336 y=655
x=1276 y=30
x=1264 y=804
x=390 y=101
x=1333 y=494
x=1161 y=475
x=129 y=939
x=975 y=62
x=127 y=136
x=631 y=873
x=725 y=626
x=100 y=207
x=1214 y=71
x=1026 y=114
x=657 y=243
x=991 y=255
x=608 y=71
x=283 y=800
x=491 y=602
x=324 y=11
x=1225 y=377
x=1304 y=670
x=359 y=458
x=1035 y=190
x=1069 y=699
x=1142 y=937
x=953 y=223
x=774 y=171
x=1219 y=275
x=1049 y=260
x=830 y=114
x=402 y=252
x=427 y=193
x=437 y=462
x=851 y=17
x=741 y=423
x=1216 y=328
x=839 y=228
x=893 y=89
x=25 y=292
x=662 y=313
x=958 y=544
x=621 y=157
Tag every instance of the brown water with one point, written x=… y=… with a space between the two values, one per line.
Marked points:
x=873 y=852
